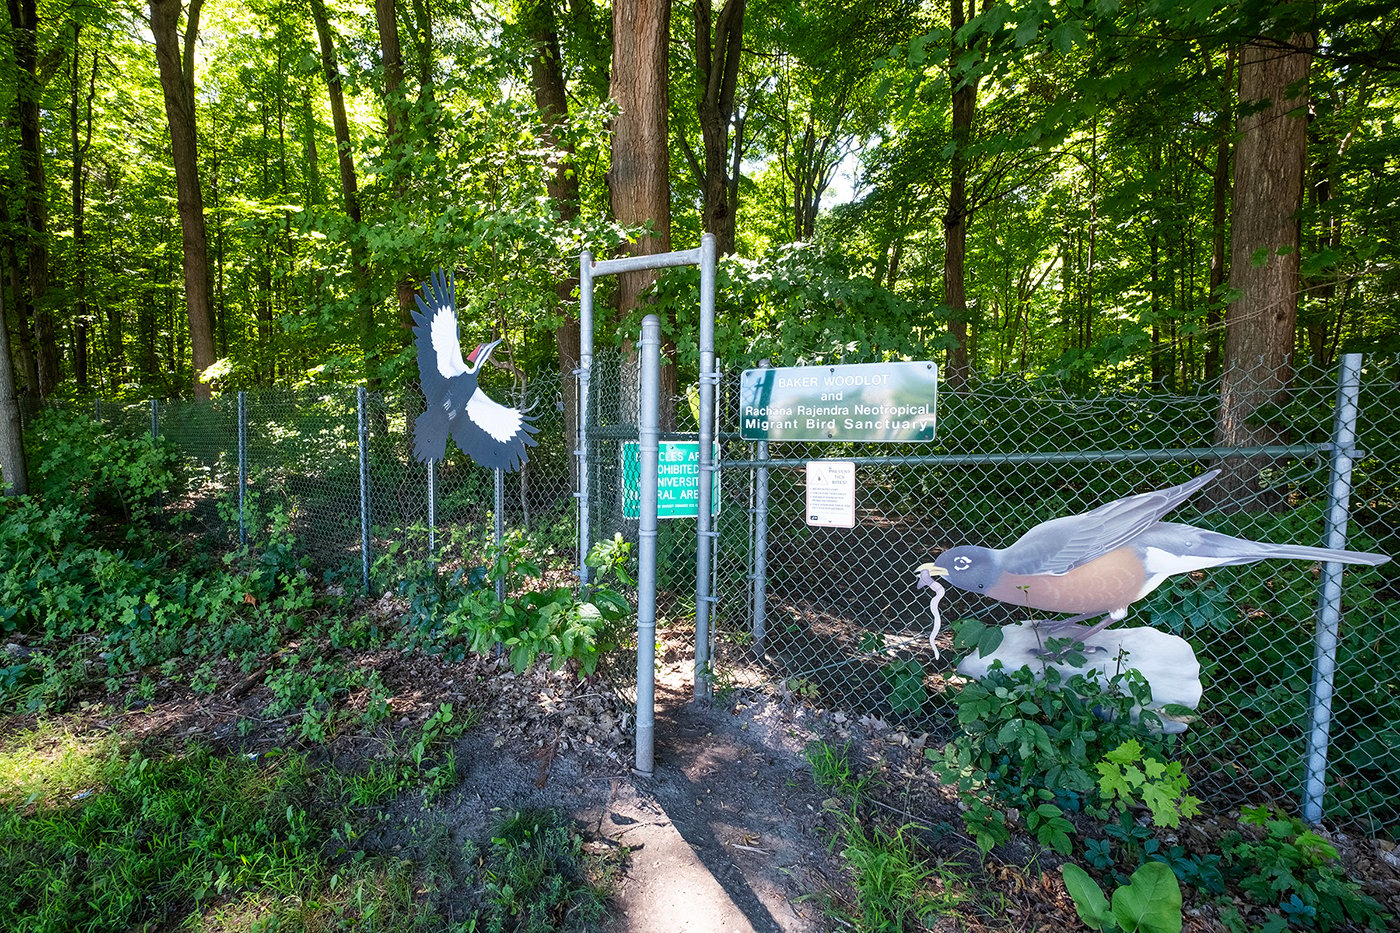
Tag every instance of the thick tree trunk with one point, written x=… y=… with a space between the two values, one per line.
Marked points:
x=639 y=179
x=23 y=333
x=81 y=311
x=551 y=100
x=175 y=56
x=24 y=23
x=14 y=472
x=718 y=47
x=1270 y=158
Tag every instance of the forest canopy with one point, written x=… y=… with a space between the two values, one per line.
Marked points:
x=216 y=195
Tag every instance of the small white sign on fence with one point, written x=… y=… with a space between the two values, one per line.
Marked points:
x=831 y=493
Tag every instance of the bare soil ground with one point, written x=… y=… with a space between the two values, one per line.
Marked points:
x=728 y=834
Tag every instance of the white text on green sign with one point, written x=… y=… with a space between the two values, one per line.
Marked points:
x=883 y=402
x=677 y=480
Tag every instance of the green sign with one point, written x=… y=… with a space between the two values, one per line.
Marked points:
x=884 y=402
x=678 y=480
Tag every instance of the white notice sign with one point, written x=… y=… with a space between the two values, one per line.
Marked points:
x=831 y=494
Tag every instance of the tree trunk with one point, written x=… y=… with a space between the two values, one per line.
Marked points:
x=81 y=311
x=349 y=186
x=14 y=472
x=386 y=17
x=639 y=179
x=24 y=22
x=551 y=101
x=24 y=334
x=1268 y=192
x=176 y=60
x=955 y=220
x=718 y=46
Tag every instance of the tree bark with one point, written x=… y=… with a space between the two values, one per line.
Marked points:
x=81 y=312
x=175 y=57
x=1270 y=158
x=639 y=179
x=955 y=220
x=14 y=472
x=718 y=47
x=24 y=22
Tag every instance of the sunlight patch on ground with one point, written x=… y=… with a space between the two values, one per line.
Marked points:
x=48 y=765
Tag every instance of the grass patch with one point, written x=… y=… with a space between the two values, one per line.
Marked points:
x=101 y=838
x=896 y=882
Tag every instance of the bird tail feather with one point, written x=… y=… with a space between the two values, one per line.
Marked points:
x=1324 y=554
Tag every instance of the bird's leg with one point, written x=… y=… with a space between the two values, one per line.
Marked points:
x=1069 y=628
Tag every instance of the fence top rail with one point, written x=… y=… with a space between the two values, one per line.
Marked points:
x=688 y=257
x=1068 y=456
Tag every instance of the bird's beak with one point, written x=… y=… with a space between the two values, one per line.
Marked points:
x=480 y=354
x=927 y=572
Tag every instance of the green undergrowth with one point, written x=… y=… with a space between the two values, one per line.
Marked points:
x=897 y=881
x=1076 y=764
x=104 y=837
x=107 y=597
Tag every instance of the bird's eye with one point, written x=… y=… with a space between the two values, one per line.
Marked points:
x=961 y=563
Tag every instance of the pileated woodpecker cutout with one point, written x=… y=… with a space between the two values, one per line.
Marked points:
x=487 y=431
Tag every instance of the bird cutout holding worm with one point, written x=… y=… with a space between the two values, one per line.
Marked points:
x=1101 y=562
x=492 y=434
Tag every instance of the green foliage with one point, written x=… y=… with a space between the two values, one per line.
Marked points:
x=904 y=685
x=536 y=877
x=94 y=472
x=1289 y=868
x=1150 y=902
x=831 y=768
x=1128 y=777
x=891 y=878
x=156 y=835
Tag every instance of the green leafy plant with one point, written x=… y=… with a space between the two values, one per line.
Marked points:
x=1288 y=867
x=1128 y=777
x=1150 y=902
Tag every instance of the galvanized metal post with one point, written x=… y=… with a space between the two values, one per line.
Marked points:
x=362 y=398
x=648 y=447
x=155 y=419
x=760 y=542
x=704 y=525
x=1329 y=610
x=432 y=516
x=242 y=466
x=500 y=524
x=585 y=378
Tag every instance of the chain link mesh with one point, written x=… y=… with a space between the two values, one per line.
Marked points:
x=844 y=619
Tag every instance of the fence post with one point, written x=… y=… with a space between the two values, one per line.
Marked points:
x=585 y=379
x=242 y=465
x=648 y=446
x=704 y=524
x=362 y=404
x=500 y=524
x=760 y=541
x=432 y=516
x=1329 y=610
x=155 y=419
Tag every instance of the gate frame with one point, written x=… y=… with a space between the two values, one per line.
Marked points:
x=648 y=436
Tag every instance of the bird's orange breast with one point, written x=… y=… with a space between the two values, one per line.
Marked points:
x=1102 y=585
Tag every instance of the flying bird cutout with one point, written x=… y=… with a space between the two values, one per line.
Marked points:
x=492 y=434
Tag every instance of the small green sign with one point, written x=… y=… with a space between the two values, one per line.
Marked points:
x=883 y=402
x=677 y=482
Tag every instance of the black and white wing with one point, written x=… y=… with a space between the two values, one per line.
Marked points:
x=493 y=434
x=435 y=336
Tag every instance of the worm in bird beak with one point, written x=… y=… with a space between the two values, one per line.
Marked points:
x=926 y=573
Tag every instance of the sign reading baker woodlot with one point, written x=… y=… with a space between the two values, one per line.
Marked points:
x=881 y=402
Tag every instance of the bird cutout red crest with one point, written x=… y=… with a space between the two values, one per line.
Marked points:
x=492 y=434
x=1101 y=562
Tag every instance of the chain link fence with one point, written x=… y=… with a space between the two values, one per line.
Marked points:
x=841 y=622
x=353 y=505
